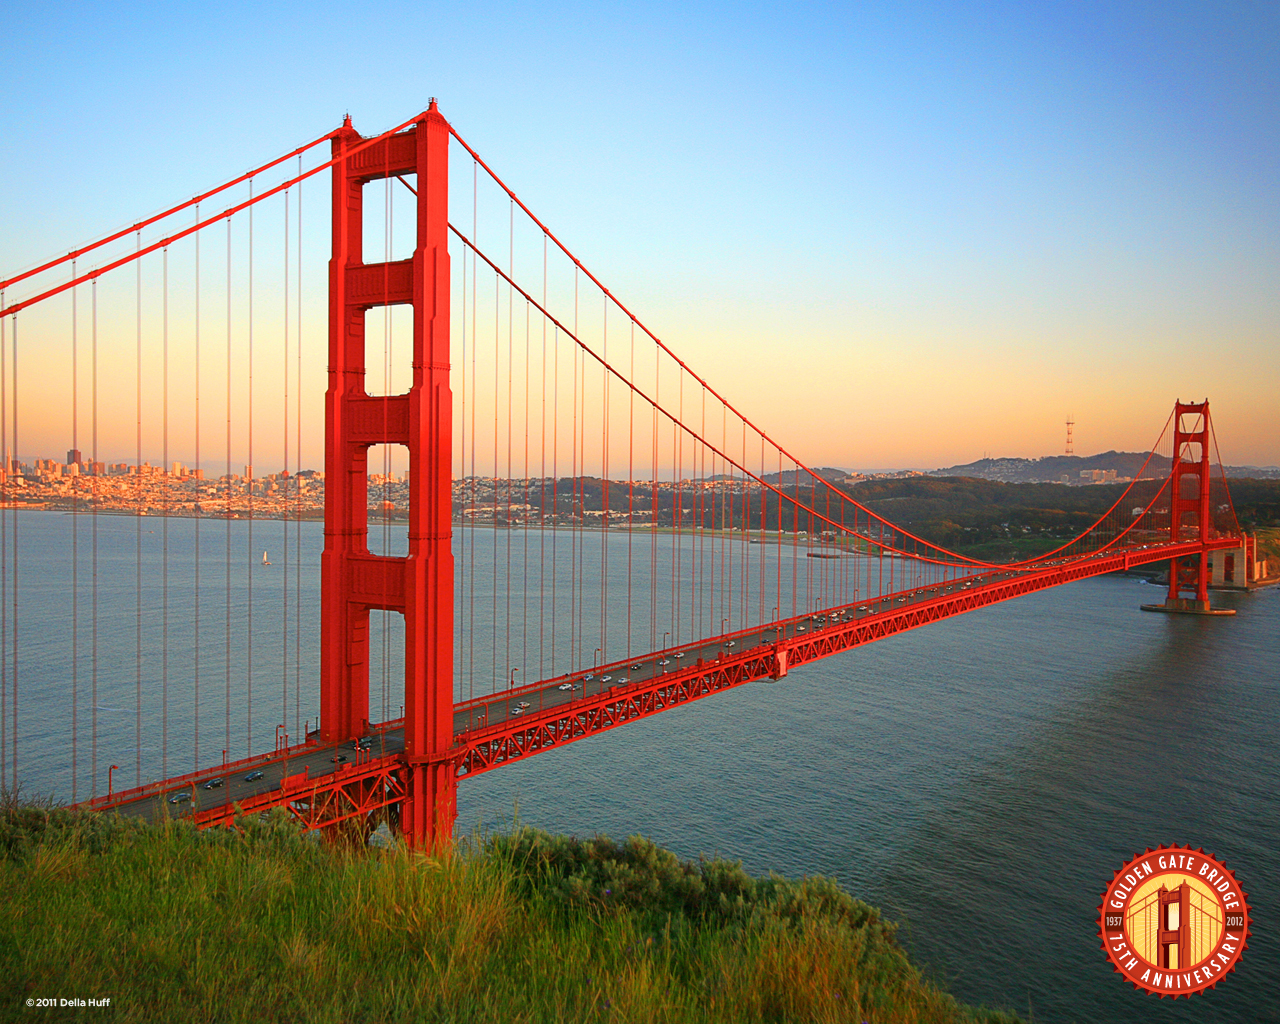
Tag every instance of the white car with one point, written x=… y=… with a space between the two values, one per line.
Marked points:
x=565 y=686
x=606 y=679
x=731 y=643
x=665 y=661
x=522 y=705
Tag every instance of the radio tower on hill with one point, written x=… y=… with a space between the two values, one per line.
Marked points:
x=1070 y=423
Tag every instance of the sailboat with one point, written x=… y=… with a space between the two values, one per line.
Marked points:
x=264 y=559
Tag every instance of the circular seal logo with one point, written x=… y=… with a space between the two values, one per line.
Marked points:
x=1174 y=921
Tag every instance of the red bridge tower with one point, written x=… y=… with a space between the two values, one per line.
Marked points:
x=1189 y=512
x=353 y=581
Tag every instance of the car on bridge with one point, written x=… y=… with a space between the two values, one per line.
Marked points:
x=215 y=783
x=253 y=776
x=565 y=686
x=182 y=797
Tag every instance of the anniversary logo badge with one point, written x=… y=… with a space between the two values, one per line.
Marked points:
x=1174 y=921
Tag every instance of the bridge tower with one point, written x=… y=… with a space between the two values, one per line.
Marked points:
x=1189 y=511
x=1172 y=944
x=353 y=581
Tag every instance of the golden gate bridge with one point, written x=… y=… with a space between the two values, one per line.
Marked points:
x=563 y=475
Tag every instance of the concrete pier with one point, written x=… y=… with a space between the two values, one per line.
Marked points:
x=1187 y=606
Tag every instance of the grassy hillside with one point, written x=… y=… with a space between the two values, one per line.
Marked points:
x=260 y=924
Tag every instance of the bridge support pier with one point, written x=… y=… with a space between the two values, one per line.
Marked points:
x=353 y=580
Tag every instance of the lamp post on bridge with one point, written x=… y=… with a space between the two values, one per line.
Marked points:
x=511 y=682
x=664 y=639
x=109 y=788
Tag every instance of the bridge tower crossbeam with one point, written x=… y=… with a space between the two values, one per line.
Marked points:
x=353 y=580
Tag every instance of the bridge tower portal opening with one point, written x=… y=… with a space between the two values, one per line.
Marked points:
x=353 y=580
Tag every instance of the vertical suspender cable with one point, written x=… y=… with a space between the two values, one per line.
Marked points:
x=226 y=551
x=555 y=486
x=475 y=346
x=4 y=555
x=93 y=661
x=511 y=260
x=198 y=473
x=555 y=479
x=604 y=485
x=653 y=504
x=75 y=544
x=705 y=572
x=137 y=490
x=631 y=477
x=13 y=718
x=678 y=437
x=248 y=704
x=575 y=636
x=284 y=588
x=297 y=490
x=6 y=514
x=165 y=467
x=524 y=501
x=542 y=477
x=497 y=369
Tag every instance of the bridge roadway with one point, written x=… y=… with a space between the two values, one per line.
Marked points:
x=503 y=726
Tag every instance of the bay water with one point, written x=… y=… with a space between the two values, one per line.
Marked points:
x=979 y=780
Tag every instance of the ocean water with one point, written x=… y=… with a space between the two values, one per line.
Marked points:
x=979 y=780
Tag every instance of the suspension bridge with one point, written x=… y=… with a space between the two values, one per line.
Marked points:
x=539 y=523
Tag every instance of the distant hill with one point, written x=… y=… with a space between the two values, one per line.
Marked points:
x=1054 y=468
x=789 y=477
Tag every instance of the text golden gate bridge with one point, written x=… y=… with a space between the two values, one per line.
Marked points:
x=574 y=528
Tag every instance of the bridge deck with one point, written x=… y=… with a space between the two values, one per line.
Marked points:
x=317 y=779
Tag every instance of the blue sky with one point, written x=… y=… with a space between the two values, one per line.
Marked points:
x=894 y=234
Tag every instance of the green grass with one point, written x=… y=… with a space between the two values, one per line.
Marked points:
x=261 y=924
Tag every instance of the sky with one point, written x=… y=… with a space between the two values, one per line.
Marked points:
x=894 y=235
